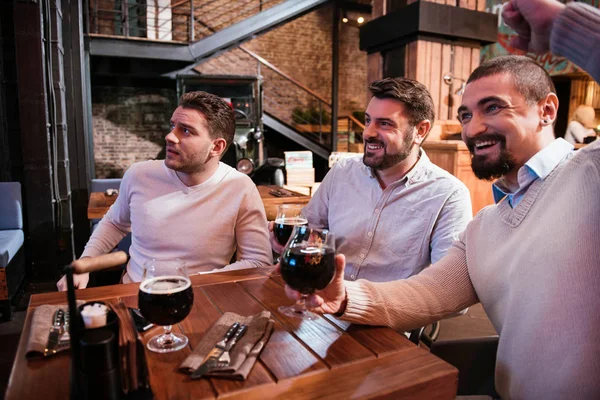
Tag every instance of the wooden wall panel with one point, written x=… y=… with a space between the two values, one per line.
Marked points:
x=458 y=69
x=583 y=91
x=446 y=49
x=436 y=77
x=475 y=59
x=411 y=60
x=374 y=67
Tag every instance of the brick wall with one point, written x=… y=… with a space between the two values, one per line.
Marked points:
x=301 y=49
x=129 y=126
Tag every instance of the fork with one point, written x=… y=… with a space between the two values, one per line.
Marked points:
x=65 y=336
x=225 y=358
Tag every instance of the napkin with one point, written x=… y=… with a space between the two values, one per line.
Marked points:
x=41 y=321
x=243 y=355
x=134 y=371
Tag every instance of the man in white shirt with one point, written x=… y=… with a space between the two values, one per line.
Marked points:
x=189 y=206
x=392 y=211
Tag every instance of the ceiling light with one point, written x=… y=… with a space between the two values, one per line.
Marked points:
x=344 y=20
x=360 y=20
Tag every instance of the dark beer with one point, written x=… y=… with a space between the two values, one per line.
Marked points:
x=307 y=268
x=285 y=226
x=165 y=300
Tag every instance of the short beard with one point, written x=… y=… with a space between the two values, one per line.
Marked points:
x=491 y=170
x=389 y=160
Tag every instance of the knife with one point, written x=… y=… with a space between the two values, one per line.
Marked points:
x=225 y=358
x=213 y=356
x=55 y=332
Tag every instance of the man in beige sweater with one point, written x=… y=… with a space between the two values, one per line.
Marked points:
x=532 y=260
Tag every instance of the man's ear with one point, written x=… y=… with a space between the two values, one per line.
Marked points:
x=548 y=108
x=422 y=129
x=219 y=145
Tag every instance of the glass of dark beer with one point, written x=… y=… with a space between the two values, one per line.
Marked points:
x=288 y=216
x=165 y=298
x=307 y=264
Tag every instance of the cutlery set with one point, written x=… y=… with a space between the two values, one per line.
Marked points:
x=219 y=356
x=59 y=332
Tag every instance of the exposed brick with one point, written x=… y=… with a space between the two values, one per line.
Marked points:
x=130 y=123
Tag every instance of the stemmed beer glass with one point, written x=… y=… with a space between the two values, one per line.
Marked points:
x=307 y=264
x=288 y=216
x=165 y=298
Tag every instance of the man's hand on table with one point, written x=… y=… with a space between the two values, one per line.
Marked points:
x=332 y=299
x=80 y=281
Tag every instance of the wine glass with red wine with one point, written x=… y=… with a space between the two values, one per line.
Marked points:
x=307 y=264
x=288 y=216
x=165 y=298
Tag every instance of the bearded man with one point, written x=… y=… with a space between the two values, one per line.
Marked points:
x=189 y=206
x=394 y=212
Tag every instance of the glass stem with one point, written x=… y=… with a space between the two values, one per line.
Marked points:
x=300 y=306
x=168 y=338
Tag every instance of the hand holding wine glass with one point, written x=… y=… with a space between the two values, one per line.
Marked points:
x=165 y=298
x=330 y=300
x=307 y=264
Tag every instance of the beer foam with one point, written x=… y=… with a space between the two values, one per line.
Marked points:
x=167 y=284
x=292 y=221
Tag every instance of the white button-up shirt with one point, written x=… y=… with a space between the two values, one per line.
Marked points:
x=393 y=233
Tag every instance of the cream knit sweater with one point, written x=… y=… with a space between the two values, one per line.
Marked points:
x=536 y=271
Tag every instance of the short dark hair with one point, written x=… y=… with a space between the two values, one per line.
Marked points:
x=219 y=115
x=529 y=78
x=414 y=96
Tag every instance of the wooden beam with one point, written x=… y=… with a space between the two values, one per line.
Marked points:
x=426 y=19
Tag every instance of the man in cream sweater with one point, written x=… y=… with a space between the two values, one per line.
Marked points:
x=532 y=260
x=189 y=206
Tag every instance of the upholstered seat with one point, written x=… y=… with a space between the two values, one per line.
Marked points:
x=12 y=238
x=10 y=243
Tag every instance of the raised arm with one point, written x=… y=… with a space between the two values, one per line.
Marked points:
x=437 y=292
x=571 y=31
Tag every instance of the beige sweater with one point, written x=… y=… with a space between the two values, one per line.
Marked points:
x=536 y=271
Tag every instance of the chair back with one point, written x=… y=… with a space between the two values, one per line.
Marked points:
x=11 y=209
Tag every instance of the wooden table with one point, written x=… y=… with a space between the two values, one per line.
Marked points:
x=100 y=203
x=326 y=358
x=271 y=202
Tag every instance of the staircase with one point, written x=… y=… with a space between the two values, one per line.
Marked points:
x=184 y=19
x=177 y=36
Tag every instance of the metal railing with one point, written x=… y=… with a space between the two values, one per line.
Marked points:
x=350 y=134
x=294 y=104
x=181 y=21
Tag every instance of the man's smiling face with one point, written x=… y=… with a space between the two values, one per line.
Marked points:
x=388 y=136
x=499 y=126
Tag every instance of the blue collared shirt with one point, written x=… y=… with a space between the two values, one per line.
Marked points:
x=538 y=167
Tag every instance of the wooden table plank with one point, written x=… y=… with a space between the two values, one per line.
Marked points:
x=330 y=343
x=411 y=374
x=196 y=326
x=380 y=340
x=99 y=204
x=283 y=355
x=41 y=374
x=271 y=202
x=131 y=289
